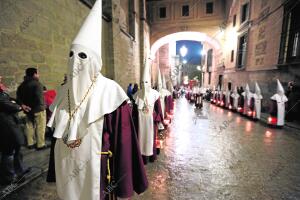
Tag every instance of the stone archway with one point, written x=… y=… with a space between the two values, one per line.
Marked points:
x=164 y=47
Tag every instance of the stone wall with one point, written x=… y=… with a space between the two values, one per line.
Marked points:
x=37 y=34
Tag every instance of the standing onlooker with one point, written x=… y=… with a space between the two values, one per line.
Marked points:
x=30 y=93
x=129 y=90
x=135 y=88
x=293 y=104
x=11 y=166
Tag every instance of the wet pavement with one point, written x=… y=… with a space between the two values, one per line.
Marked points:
x=214 y=154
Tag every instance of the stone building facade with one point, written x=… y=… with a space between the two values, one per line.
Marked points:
x=39 y=34
x=257 y=35
x=256 y=40
x=172 y=20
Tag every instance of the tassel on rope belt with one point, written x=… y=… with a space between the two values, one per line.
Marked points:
x=110 y=155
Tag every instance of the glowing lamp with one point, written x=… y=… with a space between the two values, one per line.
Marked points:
x=159 y=143
x=222 y=103
x=272 y=120
x=249 y=113
x=230 y=107
x=166 y=121
x=240 y=109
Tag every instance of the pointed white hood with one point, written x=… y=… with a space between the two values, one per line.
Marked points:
x=146 y=80
x=89 y=35
x=159 y=81
x=279 y=96
x=235 y=93
x=164 y=84
x=257 y=94
x=257 y=89
x=247 y=92
x=280 y=89
x=78 y=98
x=247 y=89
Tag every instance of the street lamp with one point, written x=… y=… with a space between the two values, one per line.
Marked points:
x=183 y=51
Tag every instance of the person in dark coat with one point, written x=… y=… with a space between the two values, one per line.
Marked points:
x=135 y=88
x=293 y=105
x=31 y=93
x=12 y=168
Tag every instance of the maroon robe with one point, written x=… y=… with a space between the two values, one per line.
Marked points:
x=126 y=165
x=127 y=170
x=171 y=103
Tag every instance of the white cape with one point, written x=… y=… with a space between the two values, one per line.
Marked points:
x=78 y=169
x=146 y=124
x=280 y=108
x=257 y=105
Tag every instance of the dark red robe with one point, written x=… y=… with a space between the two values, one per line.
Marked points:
x=127 y=170
x=126 y=165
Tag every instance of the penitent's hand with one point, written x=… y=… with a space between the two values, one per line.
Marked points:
x=74 y=144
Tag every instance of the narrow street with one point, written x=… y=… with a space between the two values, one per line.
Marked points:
x=214 y=154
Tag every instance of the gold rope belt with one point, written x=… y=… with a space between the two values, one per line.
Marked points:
x=110 y=154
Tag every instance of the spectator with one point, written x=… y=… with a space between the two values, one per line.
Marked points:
x=129 y=90
x=30 y=93
x=293 y=104
x=135 y=88
x=12 y=168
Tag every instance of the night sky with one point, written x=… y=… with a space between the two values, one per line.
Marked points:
x=194 y=49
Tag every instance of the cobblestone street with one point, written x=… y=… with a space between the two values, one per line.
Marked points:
x=213 y=154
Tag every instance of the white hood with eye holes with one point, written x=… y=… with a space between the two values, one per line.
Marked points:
x=89 y=96
x=85 y=83
x=146 y=95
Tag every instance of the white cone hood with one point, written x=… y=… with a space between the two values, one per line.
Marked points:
x=280 y=89
x=235 y=93
x=247 y=89
x=89 y=35
x=159 y=81
x=257 y=89
x=164 y=85
x=83 y=96
x=146 y=80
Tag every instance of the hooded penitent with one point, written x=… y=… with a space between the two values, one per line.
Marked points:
x=227 y=96
x=280 y=99
x=257 y=101
x=78 y=113
x=145 y=100
x=235 y=97
x=247 y=99
x=161 y=91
